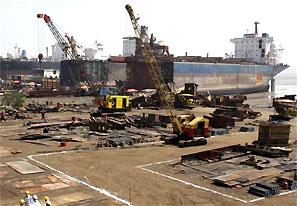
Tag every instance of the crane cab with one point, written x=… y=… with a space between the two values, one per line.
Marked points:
x=193 y=126
x=198 y=127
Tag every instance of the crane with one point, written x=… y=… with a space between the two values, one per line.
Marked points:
x=154 y=70
x=68 y=46
x=183 y=130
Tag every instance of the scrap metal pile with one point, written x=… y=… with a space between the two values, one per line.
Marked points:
x=9 y=112
x=238 y=166
x=114 y=130
x=109 y=130
x=286 y=107
x=37 y=108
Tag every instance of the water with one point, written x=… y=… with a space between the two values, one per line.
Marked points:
x=286 y=82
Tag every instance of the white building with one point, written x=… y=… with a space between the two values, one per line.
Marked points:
x=51 y=73
x=90 y=53
x=129 y=46
x=57 y=53
x=259 y=49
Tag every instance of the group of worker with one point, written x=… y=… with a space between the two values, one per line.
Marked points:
x=28 y=200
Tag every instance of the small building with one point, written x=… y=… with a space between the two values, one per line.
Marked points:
x=51 y=73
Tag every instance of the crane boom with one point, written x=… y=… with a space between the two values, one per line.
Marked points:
x=64 y=45
x=154 y=70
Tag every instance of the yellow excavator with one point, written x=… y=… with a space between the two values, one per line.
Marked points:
x=190 y=131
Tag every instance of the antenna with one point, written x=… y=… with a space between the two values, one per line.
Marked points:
x=256 y=26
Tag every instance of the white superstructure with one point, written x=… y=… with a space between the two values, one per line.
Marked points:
x=51 y=73
x=259 y=49
x=57 y=53
x=129 y=46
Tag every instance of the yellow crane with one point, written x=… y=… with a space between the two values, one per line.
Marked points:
x=165 y=92
x=154 y=70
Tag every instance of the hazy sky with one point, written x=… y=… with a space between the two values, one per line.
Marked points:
x=194 y=26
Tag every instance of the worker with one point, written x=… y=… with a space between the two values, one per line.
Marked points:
x=2 y=117
x=47 y=201
x=35 y=201
x=22 y=202
x=43 y=115
x=28 y=199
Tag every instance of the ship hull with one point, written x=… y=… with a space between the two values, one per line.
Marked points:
x=220 y=78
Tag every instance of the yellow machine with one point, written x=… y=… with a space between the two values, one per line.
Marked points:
x=186 y=130
x=197 y=127
x=115 y=103
x=193 y=126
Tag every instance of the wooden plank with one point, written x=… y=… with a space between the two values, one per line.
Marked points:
x=24 y=167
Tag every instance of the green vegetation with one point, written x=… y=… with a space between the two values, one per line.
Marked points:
x=14 y=99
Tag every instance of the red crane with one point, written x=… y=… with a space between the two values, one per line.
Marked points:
x=67 y=46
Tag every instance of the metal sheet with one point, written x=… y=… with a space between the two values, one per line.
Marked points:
x=24 y=167
x=55 y=186
x=73 y=71
x=70 y=198
x=138 y=76
x=116 y=71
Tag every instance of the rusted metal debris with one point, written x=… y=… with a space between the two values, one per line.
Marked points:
x=45 y=93
x=37 y=108
x=9 y=112
x=286 y=183
x=267 y=151
x=264 y=189
x=273 y=134
x=218 y=154
x=220 y=121
x=240 y=113
x=286 y=106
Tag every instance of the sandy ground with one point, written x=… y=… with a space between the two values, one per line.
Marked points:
x=117 y=171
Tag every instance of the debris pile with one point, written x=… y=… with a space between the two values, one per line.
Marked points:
x=286 y=107
x=273 y=134
x=9 y=112
x=264 y=189
x=37 y=108
x=239 y=166
x=239 y=113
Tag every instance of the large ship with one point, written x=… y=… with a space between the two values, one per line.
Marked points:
x=254 y=64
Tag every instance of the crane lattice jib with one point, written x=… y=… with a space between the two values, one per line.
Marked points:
x=154 y=70
x=64 y=45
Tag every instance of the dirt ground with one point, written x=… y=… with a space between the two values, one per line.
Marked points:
x=119 y=171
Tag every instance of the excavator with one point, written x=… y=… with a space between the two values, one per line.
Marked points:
x=188 y=128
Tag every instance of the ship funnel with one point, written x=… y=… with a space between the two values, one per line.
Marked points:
x=256 y=27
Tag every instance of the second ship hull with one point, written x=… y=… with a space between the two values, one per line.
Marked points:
x=220 y=78
x=215 y=78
